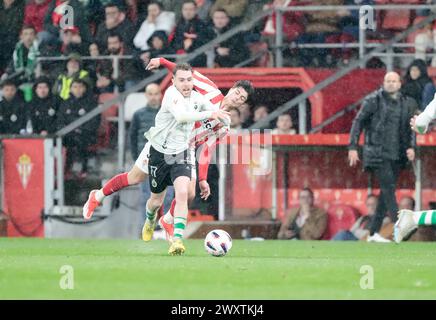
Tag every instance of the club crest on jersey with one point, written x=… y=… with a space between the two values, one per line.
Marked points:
x=24 y=167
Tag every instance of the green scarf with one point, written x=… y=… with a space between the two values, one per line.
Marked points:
x=18 y=58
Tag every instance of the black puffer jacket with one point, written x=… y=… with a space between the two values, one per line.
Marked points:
x=373 y=120
x=43 y=112
x=13 y=115
x=72 y=109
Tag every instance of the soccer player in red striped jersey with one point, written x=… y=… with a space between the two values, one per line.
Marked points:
x=206 y=133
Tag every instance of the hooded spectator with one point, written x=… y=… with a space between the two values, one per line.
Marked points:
x=43 y=107
x=417 y=84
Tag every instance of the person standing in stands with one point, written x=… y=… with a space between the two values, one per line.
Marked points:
x=389 y=144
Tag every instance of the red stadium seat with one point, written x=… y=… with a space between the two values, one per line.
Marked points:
x=105 y=130
x=396 y=20
x=340 y=217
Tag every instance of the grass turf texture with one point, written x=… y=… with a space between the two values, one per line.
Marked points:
x=127 y=269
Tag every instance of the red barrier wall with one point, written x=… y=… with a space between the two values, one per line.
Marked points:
x=24 y=186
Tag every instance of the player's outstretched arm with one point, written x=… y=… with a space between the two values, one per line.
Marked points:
x=202 y=84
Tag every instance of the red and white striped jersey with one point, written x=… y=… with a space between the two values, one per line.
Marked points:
x=206 y=131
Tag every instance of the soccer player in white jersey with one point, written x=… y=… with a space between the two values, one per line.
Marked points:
x=205 y=131
x=408 y=220
x=170 y=159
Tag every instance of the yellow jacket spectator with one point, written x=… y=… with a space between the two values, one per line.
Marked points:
x=73 y=71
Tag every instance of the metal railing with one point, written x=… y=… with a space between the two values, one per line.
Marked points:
x=363 y=45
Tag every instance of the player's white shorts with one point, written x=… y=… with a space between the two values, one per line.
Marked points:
x=142 y=161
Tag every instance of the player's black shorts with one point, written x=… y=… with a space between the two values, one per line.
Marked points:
x=165 y=168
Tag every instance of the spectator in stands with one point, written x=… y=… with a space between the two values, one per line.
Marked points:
x=307 y=222
x=131 y=71
x=235 y=120
x=191 y=33
x=360 y=229
x=284 y=125
x=34 y=14
x=72 y=42
x=159 y=46
x=13 y=115
x=142 y=121
x=73 y=70
x=79 y=102
x=320 y=25
x=203 y=8
x=43 y=107
x=349 y=19
x=24 y=56
x=260 y=113
x=115 y=22
x=418 y=85
x=293 y=21
x=157 y=19
x=246 y=118
x=235 y=9
x=54 y=15
x=101 y=71
x=407 y=203
x=232 y=51
x=11 y=23
x=389 y=143
x=423 y=39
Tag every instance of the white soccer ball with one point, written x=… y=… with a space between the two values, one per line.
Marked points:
x=218 y=243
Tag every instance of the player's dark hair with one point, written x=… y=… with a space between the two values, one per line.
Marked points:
x=182 y=66
x=246 y=85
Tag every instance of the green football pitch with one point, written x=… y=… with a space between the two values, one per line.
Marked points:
x=128 y=269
